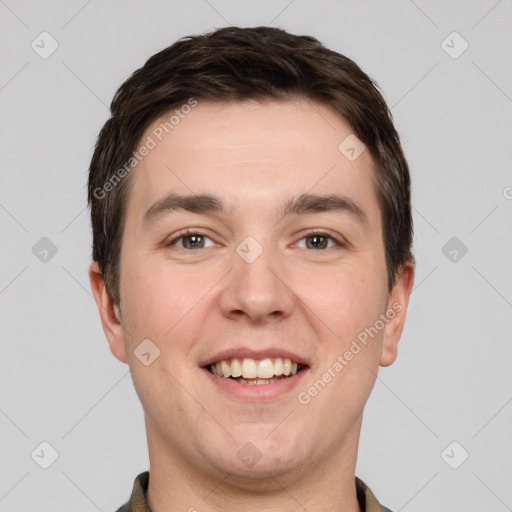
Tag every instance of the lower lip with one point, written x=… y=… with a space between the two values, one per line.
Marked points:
x=256 y=392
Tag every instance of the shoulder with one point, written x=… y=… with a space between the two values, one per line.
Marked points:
x=367 y=501
x=137 y=501
x=125 y=508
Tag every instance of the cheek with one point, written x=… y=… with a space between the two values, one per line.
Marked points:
x=345 y=299
x=163 y=301
x=164 y=305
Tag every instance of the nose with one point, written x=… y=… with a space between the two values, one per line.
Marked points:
x=257 y=290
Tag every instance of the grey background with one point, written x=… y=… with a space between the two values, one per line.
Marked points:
x=58 y=381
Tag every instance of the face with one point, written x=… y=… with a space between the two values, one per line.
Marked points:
x=266 y=302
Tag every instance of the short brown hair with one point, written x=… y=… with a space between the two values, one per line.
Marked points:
x=239 y=64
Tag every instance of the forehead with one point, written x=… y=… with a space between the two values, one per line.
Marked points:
x=251 y=153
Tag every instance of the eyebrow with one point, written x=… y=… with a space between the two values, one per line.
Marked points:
x=310 y=203
x=208 y=204
x=201 y=203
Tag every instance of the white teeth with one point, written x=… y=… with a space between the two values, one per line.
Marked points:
x=256 y=381
x=225 y=368
x=236 y=368
x=265 y=369
x=287 y=367
x=260 y=370
x=249 y=369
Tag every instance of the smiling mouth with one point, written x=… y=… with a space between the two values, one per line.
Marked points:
x=256 y=371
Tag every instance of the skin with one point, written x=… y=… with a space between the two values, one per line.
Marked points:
x=192 y=303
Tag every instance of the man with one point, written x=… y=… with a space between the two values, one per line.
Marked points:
x=252 y=234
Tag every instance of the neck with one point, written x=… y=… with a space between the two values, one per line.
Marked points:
x=326 y=484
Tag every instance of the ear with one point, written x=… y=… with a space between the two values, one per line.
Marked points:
x=397 y=309
x=109 y=313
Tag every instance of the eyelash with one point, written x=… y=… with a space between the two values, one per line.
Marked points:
x=188 y=233
x=185 y=234
x=338 y=243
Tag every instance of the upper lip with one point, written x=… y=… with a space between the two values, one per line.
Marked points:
x=245 y=352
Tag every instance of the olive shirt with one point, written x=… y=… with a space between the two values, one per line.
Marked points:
x=138 y=503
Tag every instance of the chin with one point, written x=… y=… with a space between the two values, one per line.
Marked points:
x=258 y=453
x=268 y=473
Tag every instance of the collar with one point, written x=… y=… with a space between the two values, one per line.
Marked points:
x=138 y=503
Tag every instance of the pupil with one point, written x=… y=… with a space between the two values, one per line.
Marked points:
x=193 y=241
x=317 y=241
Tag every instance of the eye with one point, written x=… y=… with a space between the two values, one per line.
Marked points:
x=319 y=241
x=191 y=240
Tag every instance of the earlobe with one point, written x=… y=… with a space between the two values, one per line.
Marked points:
x=396 y=314
x=109 y=313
